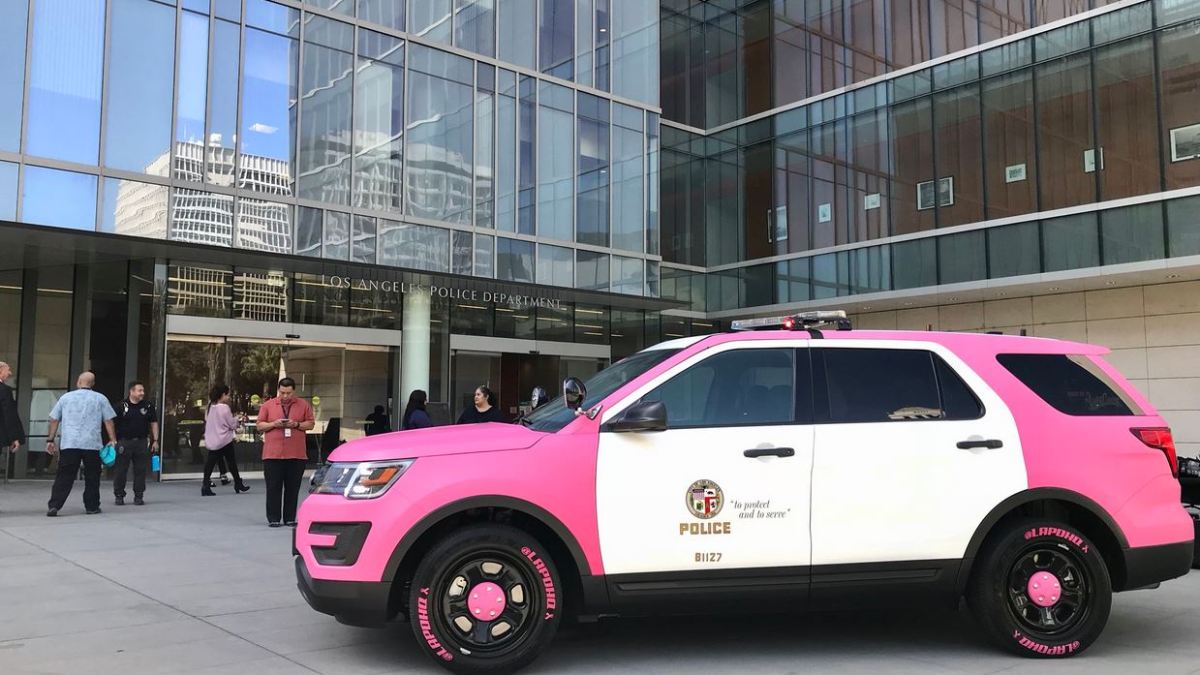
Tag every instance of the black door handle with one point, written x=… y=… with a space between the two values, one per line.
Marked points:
x=990 y=444
x=764 y=452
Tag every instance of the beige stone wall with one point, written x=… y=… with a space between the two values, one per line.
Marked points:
x=1153 y=332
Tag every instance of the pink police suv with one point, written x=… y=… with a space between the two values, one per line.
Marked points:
x=772 y=469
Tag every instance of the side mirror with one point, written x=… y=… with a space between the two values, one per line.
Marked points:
x=574 y=392
x=642 y=416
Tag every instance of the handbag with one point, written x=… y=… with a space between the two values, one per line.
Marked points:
x=155 y=463
x=108 y=455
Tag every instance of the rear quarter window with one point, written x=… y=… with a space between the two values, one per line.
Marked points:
x=1071 y=384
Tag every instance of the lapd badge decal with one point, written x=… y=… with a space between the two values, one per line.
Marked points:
x=705 y=499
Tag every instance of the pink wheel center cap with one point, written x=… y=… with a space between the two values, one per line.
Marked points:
x=1044 y=589
x=486 y=601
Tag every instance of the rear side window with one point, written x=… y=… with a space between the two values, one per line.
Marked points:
x=889 y=385
x=1071 y=384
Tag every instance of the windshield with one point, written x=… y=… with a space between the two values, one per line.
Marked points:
x=555 y=414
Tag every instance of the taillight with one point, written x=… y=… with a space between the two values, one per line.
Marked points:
x=1160 y=439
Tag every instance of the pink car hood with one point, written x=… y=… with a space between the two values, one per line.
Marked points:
x=448 y=440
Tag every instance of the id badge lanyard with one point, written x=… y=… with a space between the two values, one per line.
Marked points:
x=287 y=431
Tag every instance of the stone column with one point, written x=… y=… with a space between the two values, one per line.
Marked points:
x=414 y=344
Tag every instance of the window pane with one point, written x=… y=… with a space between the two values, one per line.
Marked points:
x=1071 y=242
x=880 y=385
x=958 y=401
x=475 y=26
x=556 y=170
x=1179 y=61
x=629 y=179
x=378 y=122
x=202 y=217
x=461 y=250
x=653 y=244
x=264 y=226
x=1183 y=219
x=141 y=71
x=735 y=388
x=484 y=160
x=585 y=21
x=506 y=163
x=8 y=191
x=430 y=19
x=64 y=81
x=269 y=91
x=914 y=264
x=1013 y=250
x=958 y=144
x=556 y=323
x=388 y=13
x=592 y=271
x=1008 y=128
x=913 y=158
x=1071 y=384
x=362 y=247
x=58 y=198
x=440 y=138
x=134 y=209
x=417 y=247
x=527 y=141
x=627 y=275
x=310 y=232
x=337 y=235
x=193 y=87
x=592 y=160
x=1127 y=119
x=344 y=7
x=591 y=325
x=485 y=256
x=635 y=73
x=961 y=257
x=13 y=19
x=514 y=260
x=870 y=190
x=223 y=107
x=556 y=38
x=1132 y=234
x=1065 y=122
x=324 y=155
x=556 y=266
x=517 y=19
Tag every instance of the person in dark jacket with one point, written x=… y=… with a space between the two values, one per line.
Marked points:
x=415 y=415
x=12 y=434
x=378 y=422
x=483 y=410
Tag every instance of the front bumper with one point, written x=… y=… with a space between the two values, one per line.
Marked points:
x=1148 y=565
x=355 y=603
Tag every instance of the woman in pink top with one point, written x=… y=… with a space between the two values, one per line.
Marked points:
x=219 y=429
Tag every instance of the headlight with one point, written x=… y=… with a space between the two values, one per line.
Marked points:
x=357 y=480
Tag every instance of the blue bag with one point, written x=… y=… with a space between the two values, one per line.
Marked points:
x=155 y=463
x=108 y=455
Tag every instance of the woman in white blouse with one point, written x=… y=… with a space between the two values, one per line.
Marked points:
x=220 y=427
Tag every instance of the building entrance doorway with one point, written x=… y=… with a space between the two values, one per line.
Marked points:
x=343 y=381
x=512 y=373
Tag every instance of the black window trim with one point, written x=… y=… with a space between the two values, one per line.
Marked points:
x=823 y=414
x=797 y=374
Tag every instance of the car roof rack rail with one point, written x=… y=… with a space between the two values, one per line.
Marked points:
x=809 y=321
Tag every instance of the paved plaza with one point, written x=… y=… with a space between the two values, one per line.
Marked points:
x=201 y=585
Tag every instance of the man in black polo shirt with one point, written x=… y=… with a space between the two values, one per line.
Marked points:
x=137 y=439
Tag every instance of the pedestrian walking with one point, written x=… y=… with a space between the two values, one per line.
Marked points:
x=378 y=422
x=483 y=409
x=283 y=422
x=79 y=414
x=137 y=440
x=415 y=415
x=220 y=430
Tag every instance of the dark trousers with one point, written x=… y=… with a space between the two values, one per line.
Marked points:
x=135 y=451
x=68 y=468
x=226 y=457
x=283 y=478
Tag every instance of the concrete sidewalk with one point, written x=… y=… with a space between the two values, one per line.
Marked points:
x=191 y=585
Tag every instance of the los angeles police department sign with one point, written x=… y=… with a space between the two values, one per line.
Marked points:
x=514 y=300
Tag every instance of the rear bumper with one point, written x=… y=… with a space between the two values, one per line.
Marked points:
x=1146 y=565
x=355 y=603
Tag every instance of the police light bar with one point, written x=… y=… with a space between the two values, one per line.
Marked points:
x=801 y=321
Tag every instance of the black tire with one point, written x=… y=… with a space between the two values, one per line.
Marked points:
x=1001 y=589
x=485 y=557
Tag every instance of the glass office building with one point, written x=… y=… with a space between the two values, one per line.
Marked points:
x=370 y=196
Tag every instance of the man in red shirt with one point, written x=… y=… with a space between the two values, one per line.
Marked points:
x=283 y=421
